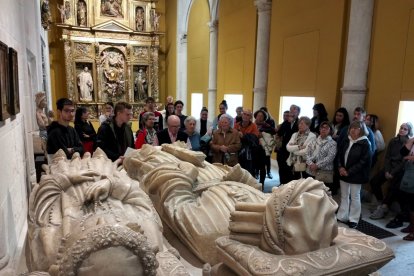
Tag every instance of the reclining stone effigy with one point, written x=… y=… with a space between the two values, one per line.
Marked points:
x=292 y=232
x=88 y=218
x=194 y=199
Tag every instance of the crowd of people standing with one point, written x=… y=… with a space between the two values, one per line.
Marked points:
x=340 y=152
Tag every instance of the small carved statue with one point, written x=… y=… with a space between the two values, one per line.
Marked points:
x=140 y=19
x=45 y=14
x=140 y=86
x=82 y=13
x=67 y=10
x=43 y=120
x=62 y=12
x=156 y=22
x=85 y=83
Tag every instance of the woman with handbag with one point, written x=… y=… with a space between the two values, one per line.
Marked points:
x=407 y=185
x=321 y=154
x=298 y=147
x=354 y=162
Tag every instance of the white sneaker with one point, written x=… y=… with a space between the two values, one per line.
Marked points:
x=380 y=212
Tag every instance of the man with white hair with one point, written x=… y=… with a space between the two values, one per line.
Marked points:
x=172 y=133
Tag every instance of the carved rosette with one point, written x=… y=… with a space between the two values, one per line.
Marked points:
x=69 y=70
x=154 y=73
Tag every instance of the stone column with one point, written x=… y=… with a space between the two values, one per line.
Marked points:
x=182 y=72
x=357 y=54
x=212 y=71
x=264 y=8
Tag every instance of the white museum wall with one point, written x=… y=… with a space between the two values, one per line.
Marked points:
x=20 y=29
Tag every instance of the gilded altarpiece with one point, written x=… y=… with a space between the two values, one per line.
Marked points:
x=111 y=52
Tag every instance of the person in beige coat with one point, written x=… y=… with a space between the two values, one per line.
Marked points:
x=225 y=143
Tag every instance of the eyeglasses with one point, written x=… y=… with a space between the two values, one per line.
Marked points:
x=403 y=128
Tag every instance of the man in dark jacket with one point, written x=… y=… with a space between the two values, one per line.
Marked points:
x=60 y=134
x=115 y=136
x=172 y=133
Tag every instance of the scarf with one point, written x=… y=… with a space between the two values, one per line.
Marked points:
x=149 y=138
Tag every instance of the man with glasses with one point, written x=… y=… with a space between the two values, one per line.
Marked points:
x=60 y=134
x=115 y=135
x=172 y=133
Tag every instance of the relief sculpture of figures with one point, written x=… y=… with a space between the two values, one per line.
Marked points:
x=82 y=13
x=87 y=218
x=85 y=84
x=45 y=14
x=140 y=86
x=140 y=19
x=112 y=65
x=112 y=8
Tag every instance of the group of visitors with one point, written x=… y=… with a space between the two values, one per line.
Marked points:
x=339 y=153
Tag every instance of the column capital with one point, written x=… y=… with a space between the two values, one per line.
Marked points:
x=213 y=24
x=263 y=5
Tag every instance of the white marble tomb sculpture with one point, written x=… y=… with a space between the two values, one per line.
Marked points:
x=193 y=197
x=88 y=218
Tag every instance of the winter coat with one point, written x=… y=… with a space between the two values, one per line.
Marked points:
x=358 y=163
x=62 y=137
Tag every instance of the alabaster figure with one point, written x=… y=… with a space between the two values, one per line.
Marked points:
x=82 y=13
x=193 y=197
x=85 y=84
x=42 y=119
x=88 y=218
x=295 y=233
x=61 y=9
x=67 y=10
x=46 y=17
x=140 y=19
x=298 y=217
x=140 y=86
x=156 y=21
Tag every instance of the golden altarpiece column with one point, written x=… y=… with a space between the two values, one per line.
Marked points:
x=111 y=51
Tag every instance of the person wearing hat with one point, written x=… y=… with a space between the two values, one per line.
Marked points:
x=266 y=134
x=150 y=107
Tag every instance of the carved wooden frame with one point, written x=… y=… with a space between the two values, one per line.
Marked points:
x=14 y=96
x=4 y=83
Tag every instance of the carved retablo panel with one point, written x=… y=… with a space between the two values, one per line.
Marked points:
x=111 y=50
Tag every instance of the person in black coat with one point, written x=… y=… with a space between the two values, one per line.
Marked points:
x=354 y=163
x=60 y=134
x=285 y=133
x=85 y=130
x=115 y=136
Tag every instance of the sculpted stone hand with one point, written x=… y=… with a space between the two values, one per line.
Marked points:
x=81 y=177
x=98 y=191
